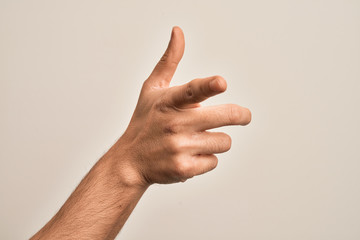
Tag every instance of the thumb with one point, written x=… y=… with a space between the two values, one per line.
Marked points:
x=166 y=67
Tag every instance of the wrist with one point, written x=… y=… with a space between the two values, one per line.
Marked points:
x=120 y=166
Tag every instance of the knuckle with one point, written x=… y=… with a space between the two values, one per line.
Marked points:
x=176 y=145
x=172 y=145
x=168 y=59
x=170 y=128
x=146 y=83
x=164 y=58
x=161 y=106
x=204 y=90
x=195 y=90
x=189 y=91
x=172 y=124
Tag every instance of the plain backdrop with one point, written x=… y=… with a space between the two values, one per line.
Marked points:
x=70 y=74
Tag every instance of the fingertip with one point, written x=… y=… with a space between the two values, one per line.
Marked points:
x=205 y=163
x=218 y=84
x=166 y=67
x=248 y=116
x=180 y=40
x=223 y=84
x=177 y=42
x=176 y=29
x=177 y=33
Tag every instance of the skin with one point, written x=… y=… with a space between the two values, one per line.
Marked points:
x=166 y=142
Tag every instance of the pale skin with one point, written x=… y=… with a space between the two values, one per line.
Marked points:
x=167 y=141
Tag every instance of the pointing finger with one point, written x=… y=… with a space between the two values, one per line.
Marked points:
x=196 y=91
x=204 y=118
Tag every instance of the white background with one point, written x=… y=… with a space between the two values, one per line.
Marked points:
x=70 y=74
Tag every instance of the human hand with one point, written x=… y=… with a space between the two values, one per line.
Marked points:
x=167 y=137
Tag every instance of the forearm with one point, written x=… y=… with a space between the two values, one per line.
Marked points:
x=100 y=205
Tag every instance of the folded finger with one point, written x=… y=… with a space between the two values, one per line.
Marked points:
x=204 y=163
x=210 y=143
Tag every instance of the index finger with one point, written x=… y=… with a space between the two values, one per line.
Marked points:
x=196 y=91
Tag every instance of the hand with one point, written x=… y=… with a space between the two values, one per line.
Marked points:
x=167 y=136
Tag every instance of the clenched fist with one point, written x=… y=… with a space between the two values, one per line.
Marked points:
x=167 y=137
